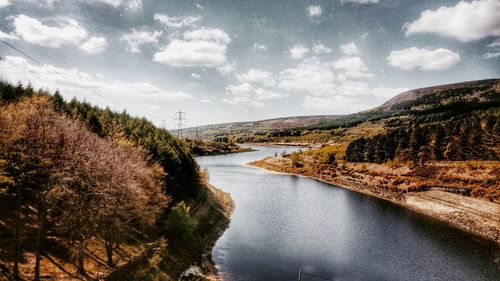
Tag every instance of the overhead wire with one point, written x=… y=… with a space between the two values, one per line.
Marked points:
x=57 y=72
x=31 y=57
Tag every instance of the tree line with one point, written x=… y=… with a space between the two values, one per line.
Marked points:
x=472 y=136
x=90 y=173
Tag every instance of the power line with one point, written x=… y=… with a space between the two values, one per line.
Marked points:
x=180 y=119
x=21 y=68
x=58 y=73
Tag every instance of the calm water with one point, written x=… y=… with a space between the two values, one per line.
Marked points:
x=284 y=223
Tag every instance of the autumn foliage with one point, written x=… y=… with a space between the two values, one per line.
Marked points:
x=82 y=185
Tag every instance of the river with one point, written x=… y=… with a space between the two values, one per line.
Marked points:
x=284 y=223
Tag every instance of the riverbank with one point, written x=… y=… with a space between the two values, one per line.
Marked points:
x=204 y=148
x=191 y=260
x=474 y=215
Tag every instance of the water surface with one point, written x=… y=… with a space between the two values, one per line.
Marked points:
x=283 y=224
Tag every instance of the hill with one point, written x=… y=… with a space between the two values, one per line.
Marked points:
x=439 y=102
x=217 y=131
x=88 y=193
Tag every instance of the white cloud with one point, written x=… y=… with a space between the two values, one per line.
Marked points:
x=75 y=82
x=202 y=47
x=65 y=31
x=41 y=3
x=493 y=49
x=314 y=11
x=298 y=51
x=259 y=47
x=94 y=45
x=8 y=36
x=265 y=78
x=226 y=68
x=126 y=4
x=466 y=21
x=176 y=22
x=334 y=103
x=351 y=97
x=310 y=76
x=362 y=1
x=208 y=34
x=200 y=7
x=196 y=76
x=137 y=38
x=319 y=48
x=192 y=53
x=424 y=59
x=4 y=3
x=349 y=49
x=246 y=94
x=353 y=67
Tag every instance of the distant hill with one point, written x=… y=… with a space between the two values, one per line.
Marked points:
x=285 y=123
x=469 y=89
x=438 y=100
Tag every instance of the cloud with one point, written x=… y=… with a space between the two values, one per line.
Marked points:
x=310 y=76
x=137 y=38
x=265 y=78
x=75 y=82
x=246 y=94
x=41 y=3
x=298 y=51
x=65 y=31
x=126 y=4
x=424 y=59
x=353 y=67
x=208 y=34
x=227 y=68
x=176 y=22
x=466 y=21
x=8 y=36
x=319 y=48
x=351 y=97
x=349 y=49
x=493 y=49
x=204 y=47
x=94 y=45
x=4 y=3
x=361 y=1
x=259 y=47
x=314 y=11
x=196 y=76
x=334 y=103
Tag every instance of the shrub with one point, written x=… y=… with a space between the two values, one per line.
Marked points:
x=296 y=159
x=179 y=225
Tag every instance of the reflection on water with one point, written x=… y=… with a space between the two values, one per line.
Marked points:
x=284 y=223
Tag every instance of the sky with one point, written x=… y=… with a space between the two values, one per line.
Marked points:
x=240 y=60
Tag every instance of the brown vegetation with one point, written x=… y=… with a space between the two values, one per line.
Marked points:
x=82 y=188
x=404 y=184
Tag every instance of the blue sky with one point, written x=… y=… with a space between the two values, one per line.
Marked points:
x=236 y=60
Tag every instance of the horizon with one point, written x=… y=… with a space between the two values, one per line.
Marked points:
x=243 y=61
